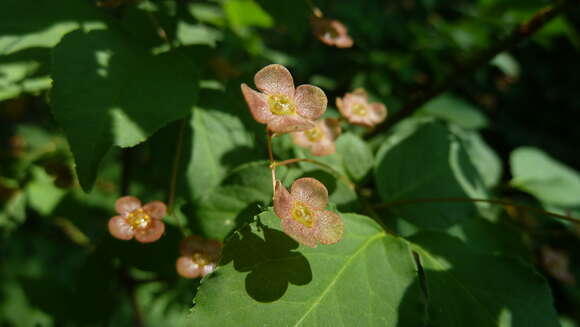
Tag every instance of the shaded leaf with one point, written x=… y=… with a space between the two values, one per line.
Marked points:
x=310 y=287
x=107 y=91
x=456 y=111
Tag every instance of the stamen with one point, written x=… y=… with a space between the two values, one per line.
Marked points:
x=302 y=214
x=314 y=134
x=139 y=219
x=281 y=105
x=359 y=109
x=200 y=258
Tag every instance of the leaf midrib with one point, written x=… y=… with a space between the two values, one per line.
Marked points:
x=338 y=276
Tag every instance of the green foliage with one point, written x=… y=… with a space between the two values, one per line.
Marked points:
x=142 y=98
x=310 y=287
x=124 y=97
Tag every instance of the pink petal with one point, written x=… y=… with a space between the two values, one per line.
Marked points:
x=323 y=148
x=192 y=244
x=258 y=104
x=331 y=127
x=151 y=233
x=329 y=227
x=343 y=41
x=208 y=269
x=187 y=268
x=282 y=201
x=310 y=191
x=299 y=232
x=300 y=139
x=156 y=209
x=342 y=107
x=275 y=79
x=338 y=27
x=127 y=204
x=377 y=112
x=310 y=101
x=289 y=124
x=119 y=228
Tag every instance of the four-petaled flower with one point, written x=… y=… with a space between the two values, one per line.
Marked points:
x=142 y=222
x=303 y=213
x=199 y=257
x=331 y=32
x=280 y=106
x=355 y=107
x=320 y=139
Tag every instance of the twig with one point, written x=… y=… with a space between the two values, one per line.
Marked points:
x=493 y=201
x=269 y=136
x=315 y=162
x=468 y=67
x=175 y=168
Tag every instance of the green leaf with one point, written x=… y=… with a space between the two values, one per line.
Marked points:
x=356 y=156
x=507 y=64
x=428 y=163
x=266 y=279
x=544 y=177
x=483 y=157
x=108 y=91
x=43 y=195
x=20 y=77
x=42 y=23
x=189 y=34
x=246 y=13
x=220 y=141
x=290 y=16
x=466 y=288
x=456 y=111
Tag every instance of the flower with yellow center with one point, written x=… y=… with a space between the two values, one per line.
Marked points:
x=320 y=139
x=357 y=109
x=303 y=213
x=314 y=135
x=360 y=109
x=198 y=258
x=134 y=220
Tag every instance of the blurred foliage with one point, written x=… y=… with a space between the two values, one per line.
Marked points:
x=103 y=98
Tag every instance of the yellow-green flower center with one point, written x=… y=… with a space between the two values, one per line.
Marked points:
x=314 y=134
x=359 y=109
x=200 y=258
x=139 y=219
x=302 y=214
x=281 y=105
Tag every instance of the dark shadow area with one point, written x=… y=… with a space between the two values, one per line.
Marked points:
x=466 y=288
x=270 y=261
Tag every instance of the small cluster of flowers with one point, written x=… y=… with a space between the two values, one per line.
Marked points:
x=198 y=258
x=285 y=109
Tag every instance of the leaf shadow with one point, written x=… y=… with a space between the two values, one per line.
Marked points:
x=271 y=262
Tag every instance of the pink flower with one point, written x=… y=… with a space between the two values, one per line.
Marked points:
x=331 y=32
x=280 y=106
x=303 y=215
x=142 y=222
x=320 y=139
x=199 y=257
x=355 y=107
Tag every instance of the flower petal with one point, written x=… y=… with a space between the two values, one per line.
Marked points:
x=299 y=232
x=300 y=139
x=127 y=204
x=331 y=128
x=275 y=79
x=192 y=244
x=310 y=191
x=323 y=148
x=377 y=112
x=187 y=268
x=151 y=233
x=258 y=104
x=343 y=41
x=310 y=101
x=207 y=269
x=282 y=201
x=289 y=124
x=329 y=227
x=119 y=228
x=156 y=209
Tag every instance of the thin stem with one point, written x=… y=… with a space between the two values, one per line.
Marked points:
x=493 y=201
x=317 y=12
x=315 y=162
x=269 y=136
x=466 y=68
x=175 y=168
x=160 y=30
